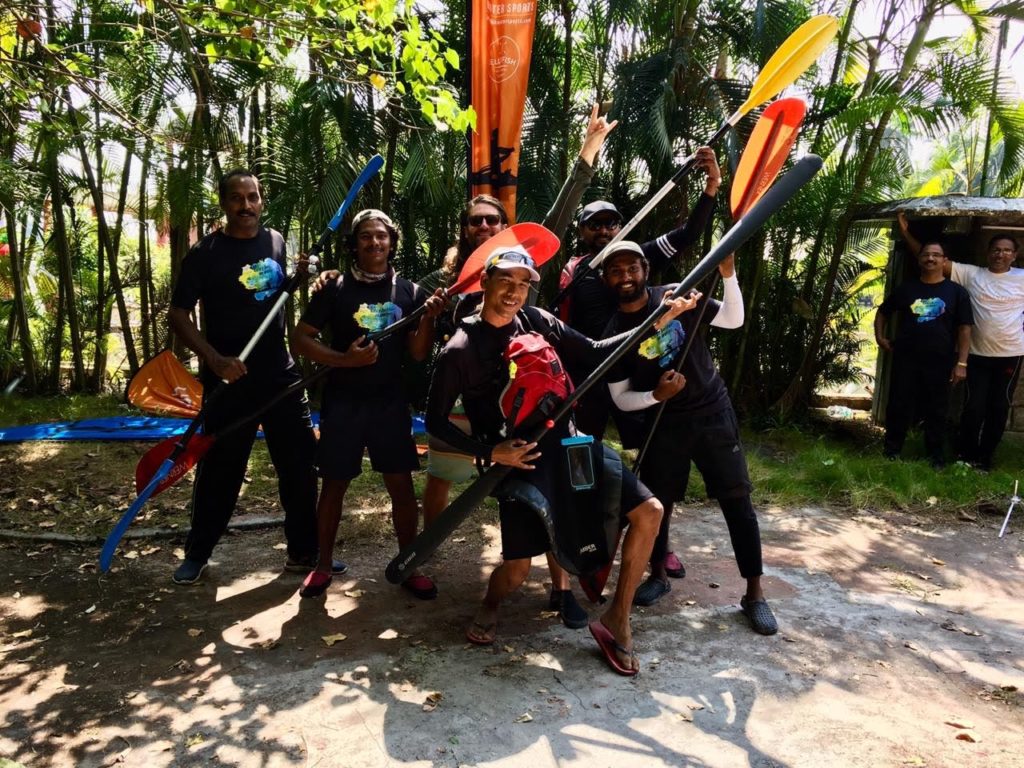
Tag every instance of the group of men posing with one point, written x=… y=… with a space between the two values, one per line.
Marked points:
x=235 y=272
x=958 y=323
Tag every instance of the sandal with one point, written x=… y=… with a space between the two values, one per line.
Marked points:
x=761 y=618
x=651 y=591
x=481 y=634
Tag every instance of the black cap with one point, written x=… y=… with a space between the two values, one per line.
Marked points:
x=598 y=206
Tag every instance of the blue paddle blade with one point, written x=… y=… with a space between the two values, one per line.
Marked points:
x=375 y=164
x=115 y=535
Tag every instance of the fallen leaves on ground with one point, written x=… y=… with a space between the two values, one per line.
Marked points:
x=330 y=640
x=195 y=632
x=526 y=717
x=951 y=626
x=433 y=699
x=355 y=592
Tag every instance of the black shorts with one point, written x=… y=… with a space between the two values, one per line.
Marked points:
x=712 y=442
x=383 y=428
x=523 y=534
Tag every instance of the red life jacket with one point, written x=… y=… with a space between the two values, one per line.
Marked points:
x=564 y=279
x=537 y=381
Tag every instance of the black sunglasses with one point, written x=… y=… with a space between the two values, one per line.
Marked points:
x=476 y=220
x=602 y=224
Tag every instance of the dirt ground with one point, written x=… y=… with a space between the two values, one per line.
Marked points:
x=901 y=644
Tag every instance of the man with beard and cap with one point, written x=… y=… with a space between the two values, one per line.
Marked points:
x=997 y=343
x=482 y=218
x=473 y=366
x=364 y=406
x=235 y=272
x=698 y=424
x=588 y=305
x=928 y=354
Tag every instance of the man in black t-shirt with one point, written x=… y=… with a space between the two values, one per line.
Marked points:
x=236 y=273
x=590 y=305
x=929 y=352
x=472 y=366
x=698 y=424
x=364 y=406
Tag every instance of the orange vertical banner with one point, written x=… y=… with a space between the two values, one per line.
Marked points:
x=501 y=43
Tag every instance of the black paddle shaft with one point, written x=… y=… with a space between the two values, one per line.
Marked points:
x=427 y=542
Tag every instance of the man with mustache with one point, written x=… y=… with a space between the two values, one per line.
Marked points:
x=698 y=424
x=997 y=343
x=928 y=354
x=235 y=272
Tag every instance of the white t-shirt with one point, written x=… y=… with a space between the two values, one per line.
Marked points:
x=998 y=304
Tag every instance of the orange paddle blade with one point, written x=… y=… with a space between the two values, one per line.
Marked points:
x=155 y=456
x=163 y=387
x=538 y=241
x=766 y=152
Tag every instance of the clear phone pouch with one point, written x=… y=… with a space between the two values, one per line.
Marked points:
x=580 y=460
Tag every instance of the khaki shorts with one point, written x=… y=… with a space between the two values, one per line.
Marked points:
x=445 y=462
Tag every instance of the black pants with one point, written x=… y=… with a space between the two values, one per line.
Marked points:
x=990 y=385
x=292 y=445
x=713 y=443
x=919 y=388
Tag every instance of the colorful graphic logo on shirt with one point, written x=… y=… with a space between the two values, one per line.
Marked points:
x=377 y=317
x=928 y=309
x=664 y=345
x=262 y=278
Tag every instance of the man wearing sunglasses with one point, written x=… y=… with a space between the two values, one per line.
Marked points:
x=997 y=343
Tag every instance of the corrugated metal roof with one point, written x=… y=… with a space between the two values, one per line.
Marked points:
x=1006 y=210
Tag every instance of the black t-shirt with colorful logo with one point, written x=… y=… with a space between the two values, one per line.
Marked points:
x=705 y=392
x=351 y=309
x=930 y=314
x=237 y=279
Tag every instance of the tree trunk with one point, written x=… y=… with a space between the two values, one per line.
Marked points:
x=103 y=234
x=20 y=304
x=65 y=278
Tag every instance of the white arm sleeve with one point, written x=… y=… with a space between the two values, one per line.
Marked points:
x=730 y=314
x=627 y=399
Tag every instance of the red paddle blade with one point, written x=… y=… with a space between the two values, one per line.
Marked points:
x=538 y=241
x=155 y=456
x=766 y=151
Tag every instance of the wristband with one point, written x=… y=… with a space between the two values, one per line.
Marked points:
x=962 y=365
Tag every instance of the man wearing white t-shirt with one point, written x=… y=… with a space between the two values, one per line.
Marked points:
x=997 y=344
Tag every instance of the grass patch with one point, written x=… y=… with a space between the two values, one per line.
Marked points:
x=16 y=410
x=82 y=487
x=841 y=465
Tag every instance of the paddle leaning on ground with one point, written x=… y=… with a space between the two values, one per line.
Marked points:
x=538 y=241
x=430 y=539
x=793 y=57
x=170 y=464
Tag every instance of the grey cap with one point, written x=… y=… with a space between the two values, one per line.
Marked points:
x=622 y=248
x=598 y=206
x=372 y=213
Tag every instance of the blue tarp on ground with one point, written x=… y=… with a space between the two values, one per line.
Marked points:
x=147 y=428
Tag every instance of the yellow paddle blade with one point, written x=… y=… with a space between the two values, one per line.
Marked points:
x=792 y=59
